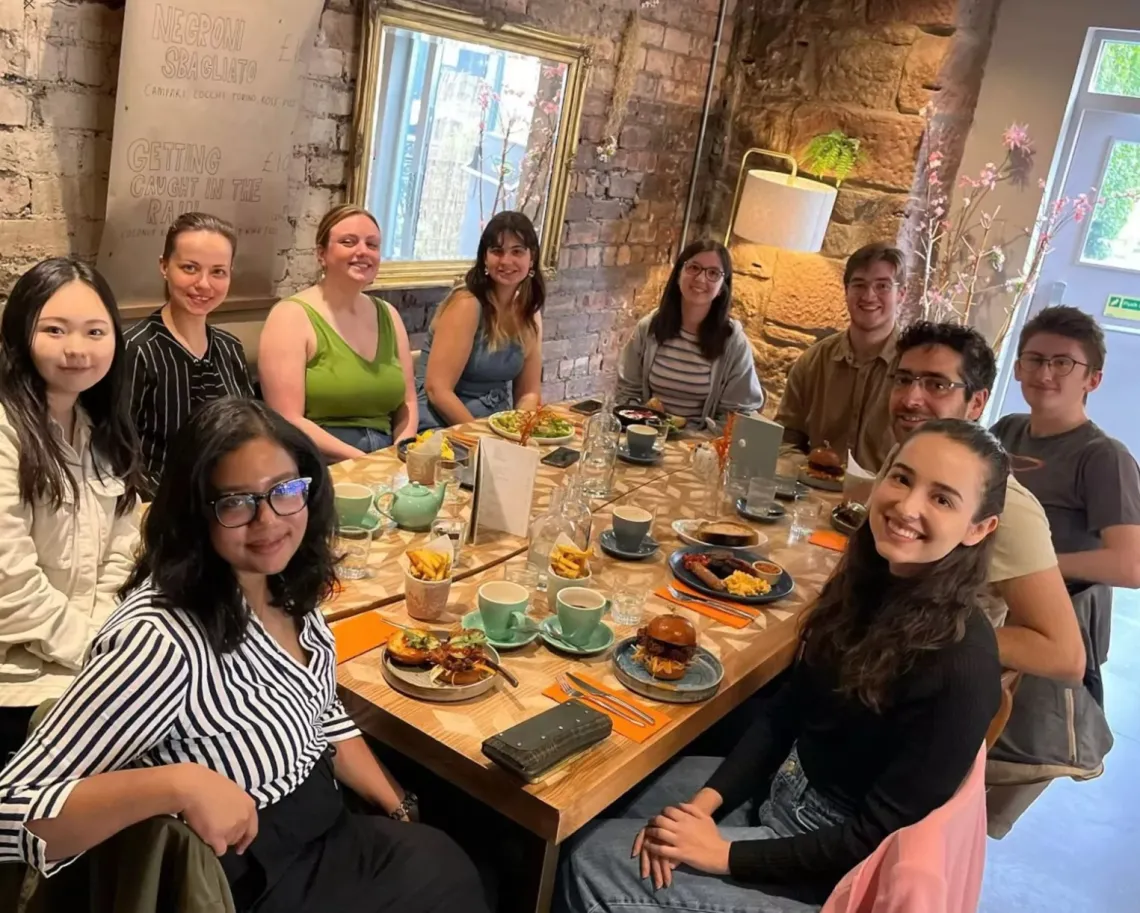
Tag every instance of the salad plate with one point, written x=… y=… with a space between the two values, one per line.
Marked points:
x=553 y=430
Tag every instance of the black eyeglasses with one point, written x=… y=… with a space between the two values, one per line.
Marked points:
x=240 y=508
x=933 y=384
x=1060 y=365
x=712 y=273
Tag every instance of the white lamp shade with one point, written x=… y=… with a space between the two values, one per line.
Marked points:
x=779 y=211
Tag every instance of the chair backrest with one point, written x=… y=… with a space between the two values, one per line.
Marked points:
x=935 y=864
x=1009 y=682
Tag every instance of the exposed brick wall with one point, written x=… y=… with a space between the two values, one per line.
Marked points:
x=60 y=64
x=622 y=217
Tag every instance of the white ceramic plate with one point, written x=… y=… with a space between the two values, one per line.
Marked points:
x=685 y=529
x=514 y=435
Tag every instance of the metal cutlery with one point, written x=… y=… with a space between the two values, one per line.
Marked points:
x=570 y=691
x=598 y=692
x=711 y=603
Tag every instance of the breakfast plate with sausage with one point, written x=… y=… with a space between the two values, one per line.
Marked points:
x=735 y=576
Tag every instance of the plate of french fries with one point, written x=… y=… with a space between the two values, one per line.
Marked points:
x=426 y=564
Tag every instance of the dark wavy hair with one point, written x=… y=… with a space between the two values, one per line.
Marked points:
x=870 y=626
x=531 y=296
x=979 y=367
x=715 y=329
x=176 y=553
x=43 y=473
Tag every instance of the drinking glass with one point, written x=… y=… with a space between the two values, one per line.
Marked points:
x=805 y=515
x=455 y=528
x=596 y=467
x=448 y=471
x=524 y=574
x=662 y=427
x=353 y=543
x=761 y=494
x=628 y=605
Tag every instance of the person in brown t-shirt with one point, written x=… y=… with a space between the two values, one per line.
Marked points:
x=838 y=390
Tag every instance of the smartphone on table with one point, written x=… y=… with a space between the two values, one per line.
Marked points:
x=561 y=458
x=587 y=406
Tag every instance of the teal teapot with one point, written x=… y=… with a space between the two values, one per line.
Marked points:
x=414 y=506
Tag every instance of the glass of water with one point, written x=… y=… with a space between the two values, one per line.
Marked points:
x=455 y=528
x=761 y=494
x=353 y=544
x=596 y=467
x=805 y=516
x=628 y=605
x=661 y=426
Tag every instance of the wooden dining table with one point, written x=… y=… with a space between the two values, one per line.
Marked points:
x=447 y=738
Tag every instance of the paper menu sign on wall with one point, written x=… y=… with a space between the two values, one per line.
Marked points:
x=504 y=487
x=208 y=101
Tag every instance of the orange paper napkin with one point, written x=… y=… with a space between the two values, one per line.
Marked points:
x=732 y=621
x=626 y=728
x=360 y=634
x=827 y=538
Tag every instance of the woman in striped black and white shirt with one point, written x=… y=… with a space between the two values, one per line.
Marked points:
x=211 y=694
x=688 y=357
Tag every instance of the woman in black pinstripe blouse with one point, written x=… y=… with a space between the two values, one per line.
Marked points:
x=211 y=694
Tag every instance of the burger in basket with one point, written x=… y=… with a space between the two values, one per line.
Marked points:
x=666 y=646
x=825 y=464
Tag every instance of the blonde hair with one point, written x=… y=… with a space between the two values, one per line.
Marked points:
x=338 y=214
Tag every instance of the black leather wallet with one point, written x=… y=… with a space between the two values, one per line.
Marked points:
x=536 y=746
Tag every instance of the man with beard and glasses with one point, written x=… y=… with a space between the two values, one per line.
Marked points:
x=948 y=371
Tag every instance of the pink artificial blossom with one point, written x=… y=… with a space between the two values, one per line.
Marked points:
x=1016 y=138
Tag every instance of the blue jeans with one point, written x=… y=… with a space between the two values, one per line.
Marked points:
x=365 y=440
x=597 y=874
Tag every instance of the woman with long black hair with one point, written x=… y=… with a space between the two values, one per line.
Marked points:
x=483 y=351
x=211 y=694
x=68 y=480
x=885 y=711
x=689 y=357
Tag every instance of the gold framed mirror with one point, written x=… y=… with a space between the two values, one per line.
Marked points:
x=456 y=120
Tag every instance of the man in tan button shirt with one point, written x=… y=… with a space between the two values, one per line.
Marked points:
x=838 y=389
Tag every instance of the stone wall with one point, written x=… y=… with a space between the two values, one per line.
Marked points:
x=60 y=64
x=805 y=67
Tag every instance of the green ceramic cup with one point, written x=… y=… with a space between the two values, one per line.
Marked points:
x=353 y=504
x=580 y=612
x=498 y=602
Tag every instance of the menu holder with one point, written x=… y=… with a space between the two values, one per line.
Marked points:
x=504 y=488
x=755 y=446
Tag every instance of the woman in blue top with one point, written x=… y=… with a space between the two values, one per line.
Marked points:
x=484 y=348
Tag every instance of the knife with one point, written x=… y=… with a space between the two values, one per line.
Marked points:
x=599 y=693
x=711 y=603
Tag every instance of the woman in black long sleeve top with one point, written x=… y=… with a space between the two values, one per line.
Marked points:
x=895 y=684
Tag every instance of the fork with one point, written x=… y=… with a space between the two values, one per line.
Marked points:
x=711 y=603
x=570 y=691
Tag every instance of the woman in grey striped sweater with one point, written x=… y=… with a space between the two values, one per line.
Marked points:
x=689 y=355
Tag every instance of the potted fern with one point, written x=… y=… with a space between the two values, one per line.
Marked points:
x=833 y=155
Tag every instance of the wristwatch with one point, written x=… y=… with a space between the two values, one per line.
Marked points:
x=408 y=810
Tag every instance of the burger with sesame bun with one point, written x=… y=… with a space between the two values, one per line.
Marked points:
x=666 y=646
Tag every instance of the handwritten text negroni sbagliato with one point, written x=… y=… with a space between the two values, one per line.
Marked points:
x=221 y=37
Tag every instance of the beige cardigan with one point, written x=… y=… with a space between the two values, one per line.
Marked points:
x=59 y=570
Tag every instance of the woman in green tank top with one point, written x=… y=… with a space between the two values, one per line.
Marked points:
x=334 y=361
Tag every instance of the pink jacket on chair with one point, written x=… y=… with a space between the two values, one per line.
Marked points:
x=934 y=866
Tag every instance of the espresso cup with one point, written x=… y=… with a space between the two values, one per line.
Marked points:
x=353 y=503
x=640 y=440
x=579 y=613
x=631 y=526
x=498 y=602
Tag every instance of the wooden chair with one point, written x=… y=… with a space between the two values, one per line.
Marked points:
x=1010 y=679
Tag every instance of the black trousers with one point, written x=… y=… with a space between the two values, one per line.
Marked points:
x=312 y=855
x=13 y=730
